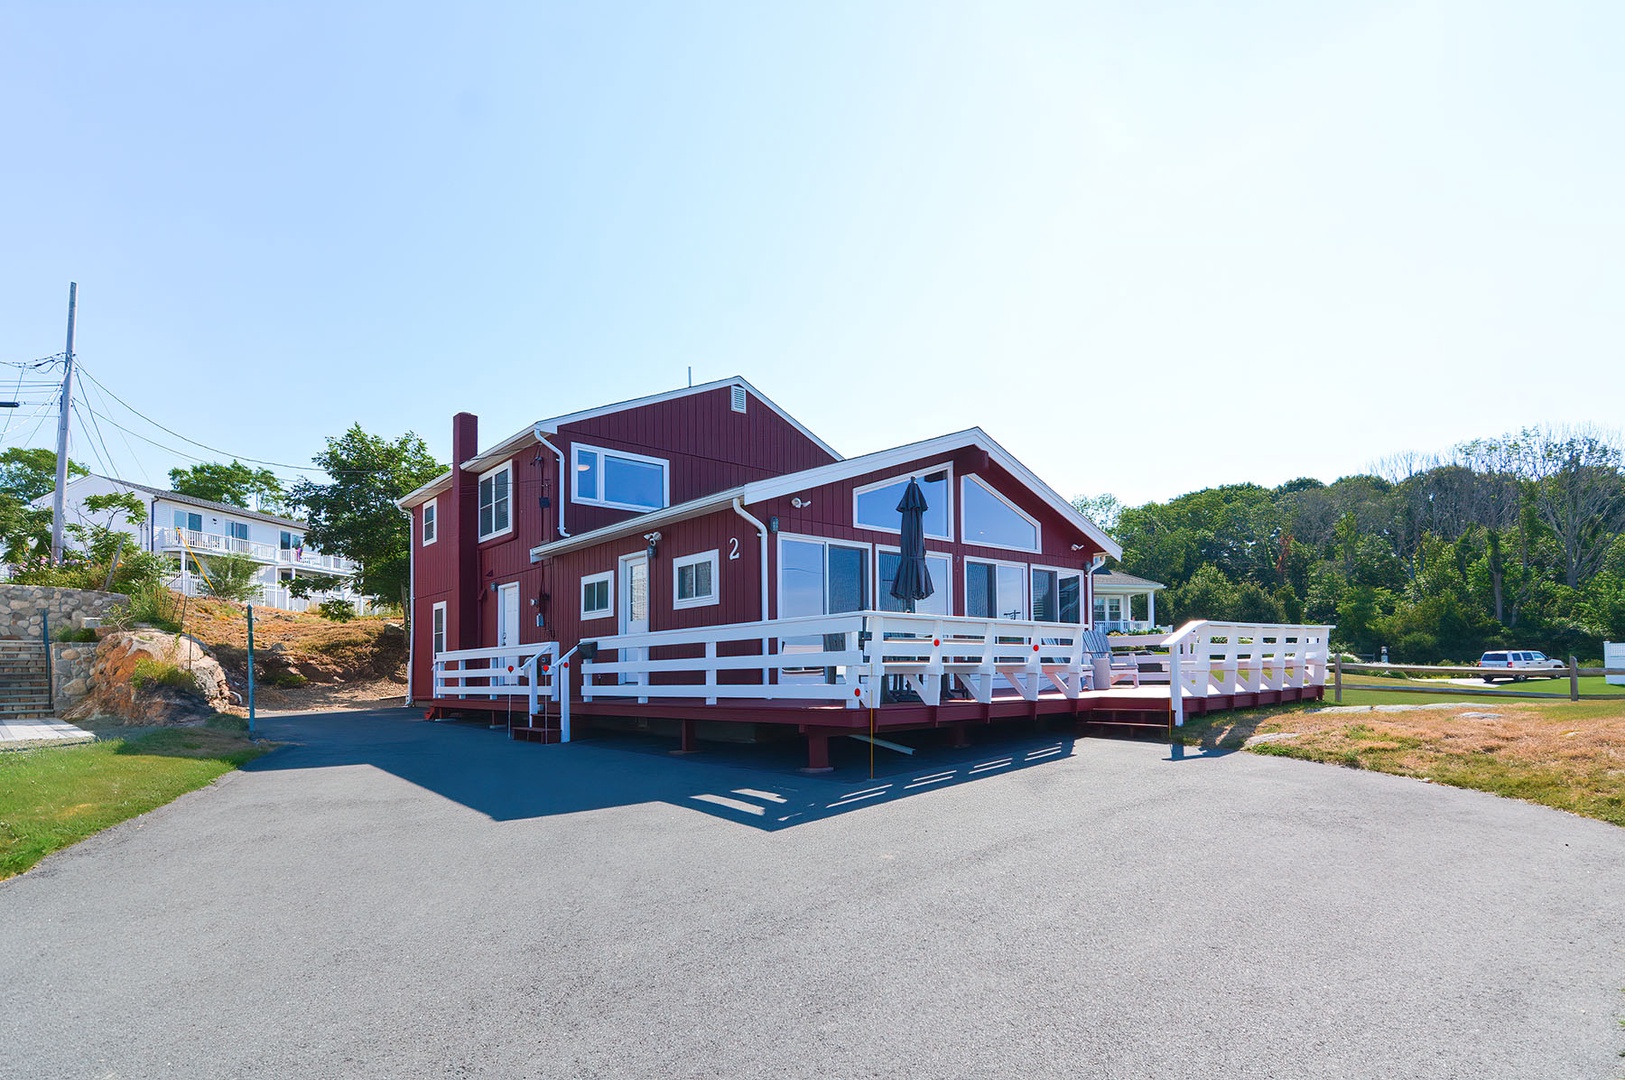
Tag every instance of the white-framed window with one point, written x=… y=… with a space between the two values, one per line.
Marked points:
x=437 y=635
x=431 y=523
x=1057 y=595
x=237 y=530
x=821 y=577
x=618 y=479
x=989 y=519
x=694 y=580
x=941 y=566
x=496 y=501
x=995 y=590
x=188 y=521
x=1108 y=609
x=874 y=506
x=598 y=595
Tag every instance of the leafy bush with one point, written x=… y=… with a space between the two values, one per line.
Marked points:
x=150 y=603
x=84 y=633
x=231 y=577
x=150 y=673
x=336 y=610
x=289 y=680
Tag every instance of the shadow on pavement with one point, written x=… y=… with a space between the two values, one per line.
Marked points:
x=756 y=785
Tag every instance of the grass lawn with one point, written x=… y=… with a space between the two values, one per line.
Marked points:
x=55 y=796
x=1473 y=690
x=1568 y=755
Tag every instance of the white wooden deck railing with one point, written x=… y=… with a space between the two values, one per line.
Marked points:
x=841 y=658
x=507 y=671
x=1237 y=658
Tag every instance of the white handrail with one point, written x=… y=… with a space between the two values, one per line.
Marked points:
x=1207 y=657
x=503 y=671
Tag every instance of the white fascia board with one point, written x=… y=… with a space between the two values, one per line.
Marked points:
x=640 y=523
x=1059 y=505
x=426 y=492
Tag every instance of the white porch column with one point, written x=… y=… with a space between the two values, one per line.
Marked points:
x=1151 y=606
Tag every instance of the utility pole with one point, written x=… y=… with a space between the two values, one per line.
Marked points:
x=62 y=435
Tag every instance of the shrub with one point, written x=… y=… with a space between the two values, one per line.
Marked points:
x=336 y=610
x=152 y=604
x=84 y=633
x=151 y=674
x=231 y=577
x=289 y=680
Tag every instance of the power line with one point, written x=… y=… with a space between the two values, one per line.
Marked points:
x=91 y=443
x=97 y=429
x=194 y=442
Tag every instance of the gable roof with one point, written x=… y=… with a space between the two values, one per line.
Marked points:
x=1116 y=579
x=551 y=425
x=206 y=504
x=777 y=486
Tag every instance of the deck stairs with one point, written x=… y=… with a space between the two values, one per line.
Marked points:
x=25 y=680
x=543 y=728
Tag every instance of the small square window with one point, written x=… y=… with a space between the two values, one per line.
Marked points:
x=694 y=580
x=598 y=596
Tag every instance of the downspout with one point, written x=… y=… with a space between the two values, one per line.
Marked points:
x=558 y=519
x=761 y=531
x=1089 y=597
x=411 y=593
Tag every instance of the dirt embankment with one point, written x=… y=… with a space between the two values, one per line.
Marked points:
x=304 y=661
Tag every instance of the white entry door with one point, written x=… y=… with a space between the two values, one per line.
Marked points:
x=634 y=606
x=508 y=629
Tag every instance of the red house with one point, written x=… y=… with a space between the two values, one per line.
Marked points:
x=700 y=555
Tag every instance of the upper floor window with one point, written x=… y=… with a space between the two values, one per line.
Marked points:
x=191 y=522
x=694 y=580
x=989 y=518
x=875 y=505
x=619 y=480
x=430 y=525
x=237 y=529
x=495 y=501
x=287 y=541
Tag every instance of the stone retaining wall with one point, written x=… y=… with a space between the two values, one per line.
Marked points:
x=71 y=663
x=22 y=608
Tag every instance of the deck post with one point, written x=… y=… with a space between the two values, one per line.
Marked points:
x=961 y=736
x=686 y=741
x=1337 y=678
x=1574 y=678
x=818 y=752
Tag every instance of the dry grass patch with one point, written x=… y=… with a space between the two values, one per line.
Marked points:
x=1563 y=755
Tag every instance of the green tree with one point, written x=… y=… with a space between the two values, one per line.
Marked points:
x=355 y=516
x=26 y=475
x=236 y=484
x=230 y=576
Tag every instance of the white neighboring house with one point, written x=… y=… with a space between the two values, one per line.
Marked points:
x=182 y=528
x=1114 y=595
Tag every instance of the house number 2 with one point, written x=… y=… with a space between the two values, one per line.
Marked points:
x=733 y=548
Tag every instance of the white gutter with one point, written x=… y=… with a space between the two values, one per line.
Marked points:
x=761 y=531
x=559 y=491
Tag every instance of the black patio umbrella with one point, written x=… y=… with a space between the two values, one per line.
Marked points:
x=913 y=581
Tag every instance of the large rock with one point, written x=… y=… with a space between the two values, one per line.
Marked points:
x=113 y=695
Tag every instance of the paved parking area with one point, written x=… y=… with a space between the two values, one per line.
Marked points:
x=397 y=898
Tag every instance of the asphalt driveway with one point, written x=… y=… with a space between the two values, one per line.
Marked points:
x=395 y=898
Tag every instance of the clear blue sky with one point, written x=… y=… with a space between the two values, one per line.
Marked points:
x=1148 y=247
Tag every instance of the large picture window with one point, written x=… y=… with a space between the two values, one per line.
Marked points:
x=694 y=580
x=496 y=501
x=995 y=590
x=598 y=596
x=875 y=506
x=989 y=518
x=619 y=480
x=940 y=602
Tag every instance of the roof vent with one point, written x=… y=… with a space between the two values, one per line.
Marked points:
x=739 y=399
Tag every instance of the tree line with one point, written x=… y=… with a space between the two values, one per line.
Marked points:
x=1515 y=541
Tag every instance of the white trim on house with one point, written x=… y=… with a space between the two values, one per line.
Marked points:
x=944 y=467
x=479 y=500
x=835 y=472
x=964 y=533
x=603 y=453
x=710 y=599
x=607 y=579
x=430 y=531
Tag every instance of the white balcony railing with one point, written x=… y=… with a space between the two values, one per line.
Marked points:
x=202 y=543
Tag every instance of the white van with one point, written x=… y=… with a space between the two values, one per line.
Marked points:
x=1515 y=665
